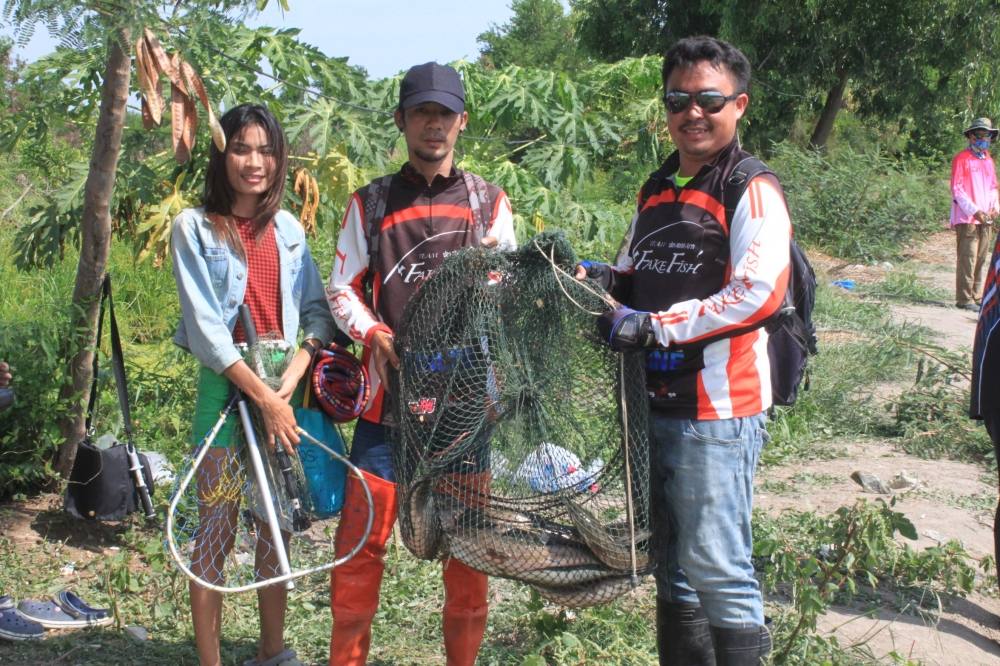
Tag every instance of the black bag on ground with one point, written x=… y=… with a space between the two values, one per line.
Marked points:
x=109 y=483
x=101 y=486
x=792 y=335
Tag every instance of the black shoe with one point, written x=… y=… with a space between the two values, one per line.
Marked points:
x=971 y=307
x=683 y=636
x=741 y=647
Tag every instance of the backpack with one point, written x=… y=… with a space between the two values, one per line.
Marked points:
x=792 y=335
x=377 y=198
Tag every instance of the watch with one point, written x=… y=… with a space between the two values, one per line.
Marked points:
x=311 y=346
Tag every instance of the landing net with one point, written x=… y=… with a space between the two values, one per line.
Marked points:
x=217 y=525
x=522 y=439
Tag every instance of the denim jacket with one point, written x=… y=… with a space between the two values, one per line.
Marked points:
x=212 y=280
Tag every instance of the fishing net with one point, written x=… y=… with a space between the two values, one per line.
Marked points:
x=218 y=527
x=522 y=445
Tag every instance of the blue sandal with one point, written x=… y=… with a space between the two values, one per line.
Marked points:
x=78 y=608
x=14 y=626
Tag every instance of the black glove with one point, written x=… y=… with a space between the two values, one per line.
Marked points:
x=601 y=273
x=625 y=328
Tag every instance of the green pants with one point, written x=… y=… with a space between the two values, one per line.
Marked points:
x=213 y=394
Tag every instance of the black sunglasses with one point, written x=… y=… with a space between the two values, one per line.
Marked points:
x=710 y=101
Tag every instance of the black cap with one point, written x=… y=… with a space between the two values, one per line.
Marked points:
x=432 y=82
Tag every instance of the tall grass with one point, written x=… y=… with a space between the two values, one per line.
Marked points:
x=34 y=316
x=857 y=355
x=862 y=206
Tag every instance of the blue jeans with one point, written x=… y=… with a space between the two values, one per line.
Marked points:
x=371 y=450
x=372 y=447
x=702 y=495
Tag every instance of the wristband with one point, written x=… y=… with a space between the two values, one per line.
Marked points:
x=310 y=346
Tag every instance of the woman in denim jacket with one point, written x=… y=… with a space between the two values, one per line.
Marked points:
x=239 y=247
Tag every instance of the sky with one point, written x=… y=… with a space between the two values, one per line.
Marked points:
x=383 y=36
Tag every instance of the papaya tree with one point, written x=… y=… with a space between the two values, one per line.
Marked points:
x=111 y=25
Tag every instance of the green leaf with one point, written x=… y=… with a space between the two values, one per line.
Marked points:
x=905 y=526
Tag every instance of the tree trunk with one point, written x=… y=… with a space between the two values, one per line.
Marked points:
x=834 y=102
x=95 y=246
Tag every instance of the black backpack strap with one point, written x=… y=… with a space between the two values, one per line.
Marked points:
x=746 y=170
x=736 y=184
x=376 y=201
x=479 y=202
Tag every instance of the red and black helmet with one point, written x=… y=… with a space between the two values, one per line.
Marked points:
x=340 y=384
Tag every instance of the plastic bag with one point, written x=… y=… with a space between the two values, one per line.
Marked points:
x=325 y=475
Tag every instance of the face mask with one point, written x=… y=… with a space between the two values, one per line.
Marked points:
x=981 y=145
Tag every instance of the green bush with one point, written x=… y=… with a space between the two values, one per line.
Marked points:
x=862 y=206
x=932 y=416
x=36 y=315
x=35 y=318
x=29 y=435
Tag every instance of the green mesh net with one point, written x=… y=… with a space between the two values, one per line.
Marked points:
x=522 y=445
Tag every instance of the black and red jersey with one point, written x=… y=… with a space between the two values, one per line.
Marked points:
x=423 y=223
x=710 y=284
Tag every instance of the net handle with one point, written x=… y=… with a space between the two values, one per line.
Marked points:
x=199 y=455
x=629 y=506
x=556 y=270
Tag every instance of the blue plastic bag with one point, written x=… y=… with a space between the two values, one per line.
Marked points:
x=325 y=475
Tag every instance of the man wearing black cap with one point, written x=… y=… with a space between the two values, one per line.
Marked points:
x=974 y=204
x=397 y=230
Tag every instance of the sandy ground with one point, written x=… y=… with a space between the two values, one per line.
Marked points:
x=952 y=500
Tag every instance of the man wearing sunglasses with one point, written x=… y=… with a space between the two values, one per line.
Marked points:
x=974 y=204
x=696 y=290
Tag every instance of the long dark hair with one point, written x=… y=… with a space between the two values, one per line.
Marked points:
x=219 y=196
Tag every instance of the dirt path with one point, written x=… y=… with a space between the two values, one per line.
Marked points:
x=954 y=328
x=953 y=500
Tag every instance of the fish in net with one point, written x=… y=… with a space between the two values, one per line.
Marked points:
x=522 y=444
x=227 y=511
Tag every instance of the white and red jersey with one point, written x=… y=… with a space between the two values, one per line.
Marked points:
x=422 y=225
x=710 y=283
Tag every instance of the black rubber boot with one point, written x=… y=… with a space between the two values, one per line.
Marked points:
x=741 y=647
x=683 y=636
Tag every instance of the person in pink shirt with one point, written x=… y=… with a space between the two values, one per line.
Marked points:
x=974 y=204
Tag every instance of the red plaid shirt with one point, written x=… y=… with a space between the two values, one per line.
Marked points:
x=263 y=293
